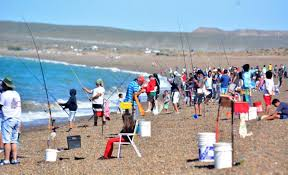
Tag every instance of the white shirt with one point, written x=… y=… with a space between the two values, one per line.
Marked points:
x=269 y=87
x=100 y=99
x=208 y=83
x=11 y=104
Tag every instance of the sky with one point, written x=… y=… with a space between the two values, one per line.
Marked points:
x=152 y=15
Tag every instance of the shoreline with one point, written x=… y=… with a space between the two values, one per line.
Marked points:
x=150 y=63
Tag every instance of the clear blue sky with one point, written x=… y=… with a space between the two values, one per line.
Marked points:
x=152 y=15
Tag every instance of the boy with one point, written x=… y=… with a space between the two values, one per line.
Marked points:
x=268 y=91
x=120 y=99
x=71 y=104
x=281 y=111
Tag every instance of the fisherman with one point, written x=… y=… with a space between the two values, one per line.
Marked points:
x=10 y=104
x=71 y=104
x=134 y=88
x=97 y=99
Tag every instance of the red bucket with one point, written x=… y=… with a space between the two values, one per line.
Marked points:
x=258 y=105
x=241 y=107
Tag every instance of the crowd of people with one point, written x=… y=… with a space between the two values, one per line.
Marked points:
x=197 y=88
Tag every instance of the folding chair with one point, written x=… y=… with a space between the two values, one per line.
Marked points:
x=130 y=142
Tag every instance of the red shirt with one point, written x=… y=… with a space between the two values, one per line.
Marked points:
x=151 y=86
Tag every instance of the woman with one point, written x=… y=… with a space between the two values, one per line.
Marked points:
x=97 y=99
x=128 y=127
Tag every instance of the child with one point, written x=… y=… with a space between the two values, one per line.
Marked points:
x=128 y=127
x=120 y=99
x=71 y=104
x=280 y=113
x=268 y=91
x=166 y=99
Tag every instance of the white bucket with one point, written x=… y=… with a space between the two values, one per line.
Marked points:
x=222 y=155
x=145 y=128
x=51 y=155
x=205 y=145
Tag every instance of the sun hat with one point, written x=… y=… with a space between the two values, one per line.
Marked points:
x=99 y=81
x=8 y=82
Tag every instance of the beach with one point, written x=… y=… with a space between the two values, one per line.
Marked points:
x=172 y=147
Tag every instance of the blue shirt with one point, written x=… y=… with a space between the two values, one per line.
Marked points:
x=133 y=87
x=225 y=79
x=283 y=108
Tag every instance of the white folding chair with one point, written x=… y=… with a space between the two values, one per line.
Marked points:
x=130 y=142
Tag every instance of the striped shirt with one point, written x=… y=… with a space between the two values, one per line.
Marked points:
x=133 y=87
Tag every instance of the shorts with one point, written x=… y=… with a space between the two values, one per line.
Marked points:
x=98 y=110
x=175 y=97
x=71 y=116
x=10 y=130
x=166 y=105
x=209 y=96
x=151 y=97
x=199 y=98
x=224 y=90
x=267 y=100
x=283 y=116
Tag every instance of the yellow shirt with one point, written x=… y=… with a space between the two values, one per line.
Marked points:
x=270 y=67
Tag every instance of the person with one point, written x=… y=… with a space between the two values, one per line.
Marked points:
x=225 y=80
x=97 y=99
x=120 y=100
x=134 y=88
x=10 y=103
x=175 y=88
x=71 y=104
x=280 y=113
x=155 y=75
x=166 y=99
x=268 y=90
x=246 y=87
x=199 y=98
x=151 y=93
x=208 y=85
x=1 y=120
x=270 y=67
x=128 y=127
x=280 y=75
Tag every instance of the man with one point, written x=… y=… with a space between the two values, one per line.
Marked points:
x=175 y=88
x=97 y=99
x=281 y=111
x=246 y=76
x=10 y=103
x=134 y=88
x=225 y=80
x=199 y=94
x=280 y=75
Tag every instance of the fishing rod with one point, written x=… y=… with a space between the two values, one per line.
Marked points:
x=181 y=40
x=79 y=81
x=51 y=95
x=225 y=52
x=50 y=122
x=190 y=55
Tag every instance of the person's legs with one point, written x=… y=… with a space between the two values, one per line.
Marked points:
x=7 y=152
x=109 y=146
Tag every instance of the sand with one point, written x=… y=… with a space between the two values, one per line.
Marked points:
x=172 y=149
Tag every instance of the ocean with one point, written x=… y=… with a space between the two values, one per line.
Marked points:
x=60 y=78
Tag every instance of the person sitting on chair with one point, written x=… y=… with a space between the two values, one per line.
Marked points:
x=128 y=127
x=281 y=111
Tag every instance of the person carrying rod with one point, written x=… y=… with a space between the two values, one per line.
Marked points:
x=97 y=99
x=134 y=88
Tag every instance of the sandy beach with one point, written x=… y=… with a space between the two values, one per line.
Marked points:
x=172 y=148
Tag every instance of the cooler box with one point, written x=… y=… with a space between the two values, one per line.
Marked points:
x=74 y=141
x=258 y=105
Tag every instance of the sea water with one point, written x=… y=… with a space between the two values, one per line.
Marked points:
x=60 y=78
